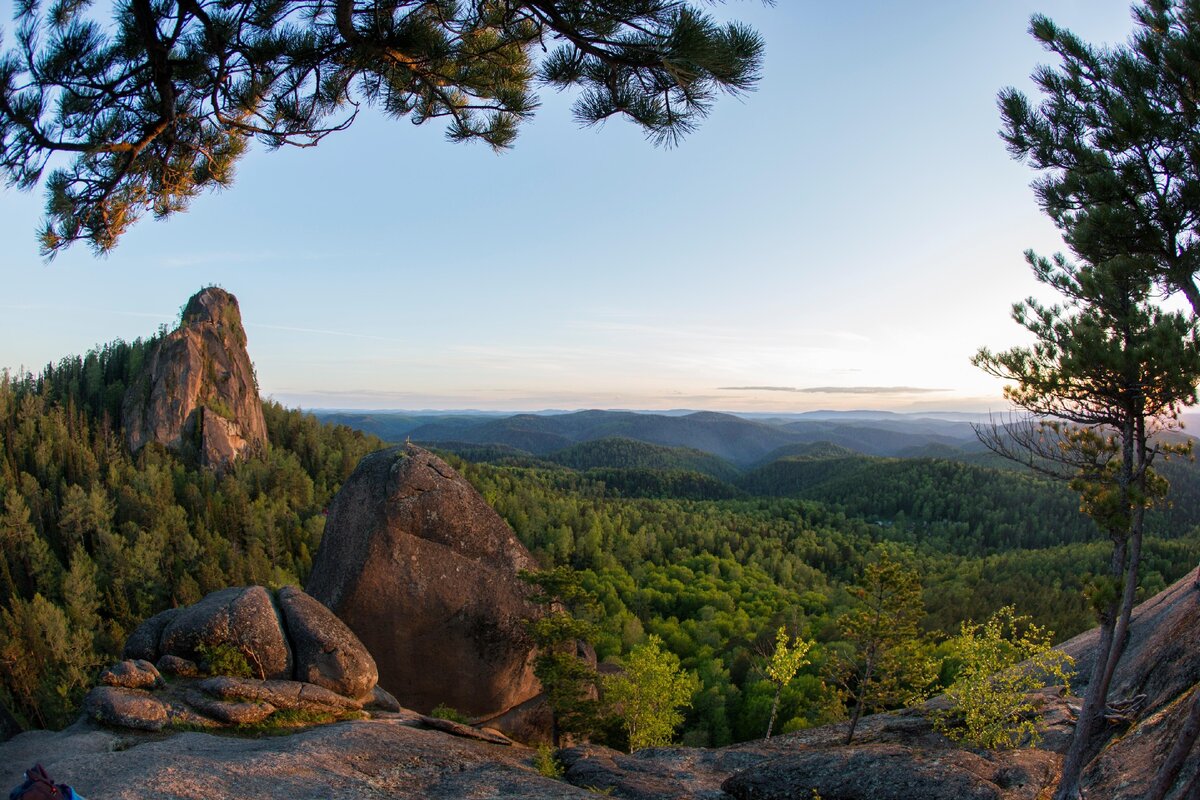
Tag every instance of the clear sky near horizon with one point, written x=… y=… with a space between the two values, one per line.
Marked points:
x=847 y=236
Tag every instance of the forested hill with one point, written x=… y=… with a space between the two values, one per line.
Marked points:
x=672 y=540
x=620 y=453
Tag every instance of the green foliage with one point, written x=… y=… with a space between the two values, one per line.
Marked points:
x=784 y=662
x=887 y=664
x=219 y=407
x=443 y=711
x=46 y=663
x=545 y=761
x=565 y=627
x=1000 y=663
x=159 y=102
x=621 y=453
x=1116 y=143
x=953 y=506
x=225 y=659
x=787 y=658
x=650 y=693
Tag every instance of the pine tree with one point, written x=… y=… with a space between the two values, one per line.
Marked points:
x=159 y=104
x=562 y=636
x=1108 y=370
x=887 y=667
x=1116 y=140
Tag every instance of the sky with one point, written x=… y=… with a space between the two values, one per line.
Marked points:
x=847 y=236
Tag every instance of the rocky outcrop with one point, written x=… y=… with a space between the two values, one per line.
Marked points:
x=197 y=392
x=895 y=772
x=1157 y=676
x=302 y=656
x=418 y=565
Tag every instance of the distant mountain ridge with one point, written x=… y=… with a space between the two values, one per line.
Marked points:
x=742 y=440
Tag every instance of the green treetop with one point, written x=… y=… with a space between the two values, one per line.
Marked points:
x=1116 y=140
x=886 y=666
x=160 y=102
x=784 y=662
x=650 y=694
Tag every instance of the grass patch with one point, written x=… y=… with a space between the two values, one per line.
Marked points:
x=281 y=723
x=444 y=711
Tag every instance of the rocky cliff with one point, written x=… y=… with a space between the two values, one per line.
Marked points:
x=424 y=572
x=197 y=393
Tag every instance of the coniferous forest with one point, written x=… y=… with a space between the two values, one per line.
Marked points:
x=94 y=541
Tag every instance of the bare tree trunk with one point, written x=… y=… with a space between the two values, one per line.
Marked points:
x=862 y=691
x=774 y=710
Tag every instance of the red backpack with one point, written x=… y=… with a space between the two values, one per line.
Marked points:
x=39 y=786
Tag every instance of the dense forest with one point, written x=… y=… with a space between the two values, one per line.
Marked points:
x=94 y=540
x=671 y=542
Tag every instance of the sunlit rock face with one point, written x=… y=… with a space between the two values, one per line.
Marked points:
x=197 y=394
x=422 y=569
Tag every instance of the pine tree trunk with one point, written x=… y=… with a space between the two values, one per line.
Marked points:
x=1091 y=717
x=862 y=694
x=1114 y=625
x=1179 y=752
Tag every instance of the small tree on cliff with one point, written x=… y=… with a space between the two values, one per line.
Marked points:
x=887 y=666
x=1000 y=663
x=144 y=112
x=651 y=693
x=569 y=681
x=782 y=664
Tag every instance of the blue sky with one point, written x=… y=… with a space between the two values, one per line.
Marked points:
x=848 y=235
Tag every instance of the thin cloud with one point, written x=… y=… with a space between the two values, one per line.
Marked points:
x=322 y=332
x=835 y=389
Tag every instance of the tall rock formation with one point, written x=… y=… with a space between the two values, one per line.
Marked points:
x=197 y=393
x=424 y=572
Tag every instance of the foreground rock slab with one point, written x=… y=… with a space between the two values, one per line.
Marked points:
x=346 y=761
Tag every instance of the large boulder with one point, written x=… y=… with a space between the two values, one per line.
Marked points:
x=142 y=644
x=126 y=708
x=422 y=569
x=197 y=393
x=241 y=617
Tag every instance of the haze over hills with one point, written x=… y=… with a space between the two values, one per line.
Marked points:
x=743 y=439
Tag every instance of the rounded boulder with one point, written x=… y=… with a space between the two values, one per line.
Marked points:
x=325 y=651
x=240 y=617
